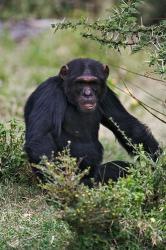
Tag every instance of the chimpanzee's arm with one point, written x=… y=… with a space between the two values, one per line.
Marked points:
x=44 y=112
x=132 y=128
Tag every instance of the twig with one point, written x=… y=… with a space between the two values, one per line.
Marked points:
x=145 y=106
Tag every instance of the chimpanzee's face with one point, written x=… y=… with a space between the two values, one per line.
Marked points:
x=84 y=82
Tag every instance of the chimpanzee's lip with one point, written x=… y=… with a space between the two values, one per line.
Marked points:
x=88 y=106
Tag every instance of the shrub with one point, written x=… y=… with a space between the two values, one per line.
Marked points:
x=12 y=157
x=63 y=178
x=129 y=214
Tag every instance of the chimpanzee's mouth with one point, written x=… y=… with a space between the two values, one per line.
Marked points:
x=88 y=106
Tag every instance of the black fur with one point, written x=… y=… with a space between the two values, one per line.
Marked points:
x=53 y=117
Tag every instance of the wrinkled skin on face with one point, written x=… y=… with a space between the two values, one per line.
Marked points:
x=85 y=85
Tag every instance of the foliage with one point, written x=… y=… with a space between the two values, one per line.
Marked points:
x=129 y=214
x=62 y=178
x=12 y=157
x=121 y=29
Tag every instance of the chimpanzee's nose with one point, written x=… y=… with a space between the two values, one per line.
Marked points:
x=87 y=92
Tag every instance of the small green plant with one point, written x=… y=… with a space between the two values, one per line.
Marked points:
x=12 y=157
x=63 y=178
x=129 y=214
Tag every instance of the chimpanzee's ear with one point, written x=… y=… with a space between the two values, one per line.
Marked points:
x=106 y=70
x=63 y=71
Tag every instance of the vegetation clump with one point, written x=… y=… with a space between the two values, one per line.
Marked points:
x=12 y=156
x=129 y=214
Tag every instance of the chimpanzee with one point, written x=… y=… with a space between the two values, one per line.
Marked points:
x=70 y=107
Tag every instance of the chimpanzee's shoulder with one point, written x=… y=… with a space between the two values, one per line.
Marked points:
x=51 y=82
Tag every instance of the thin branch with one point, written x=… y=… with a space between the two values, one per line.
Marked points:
x=135 y=73
x=145 y=106
x=159 y=101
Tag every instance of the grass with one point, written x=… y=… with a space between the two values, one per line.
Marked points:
x=28 y=222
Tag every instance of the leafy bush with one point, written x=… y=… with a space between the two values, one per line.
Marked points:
x=63 y=178
x=12 y=157
x=129 y=214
